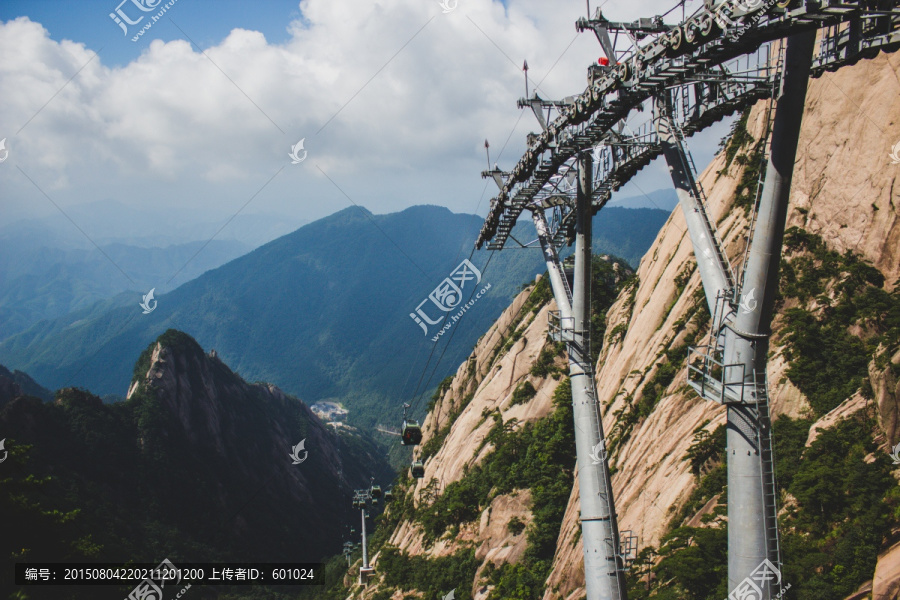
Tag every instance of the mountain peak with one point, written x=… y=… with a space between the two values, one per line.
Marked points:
x=198 y=449
x=171 y=345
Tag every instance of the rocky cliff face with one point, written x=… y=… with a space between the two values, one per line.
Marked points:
x=843 y=192
x=245 y=434
x=484 y=384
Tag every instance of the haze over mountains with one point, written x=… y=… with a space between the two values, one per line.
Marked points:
x=664 y=199
x=96 y=251
x=323 y=312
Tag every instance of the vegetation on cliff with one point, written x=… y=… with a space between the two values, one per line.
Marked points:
x=130 y=481
x=839 y=501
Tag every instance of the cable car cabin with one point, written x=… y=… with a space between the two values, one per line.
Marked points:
x=388 y=496
x=418 y=469
x=375 y=491
x=412 y=433
x=374 y=501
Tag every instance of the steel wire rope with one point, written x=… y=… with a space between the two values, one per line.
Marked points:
x=417 y=395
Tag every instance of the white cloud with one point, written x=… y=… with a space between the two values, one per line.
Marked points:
x=171 y=128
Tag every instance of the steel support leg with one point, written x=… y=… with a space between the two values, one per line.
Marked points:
x=603 y=567
x=364 y=570
x=711 y=261
x=554 y=271
x=752 y=526
x=365 y=548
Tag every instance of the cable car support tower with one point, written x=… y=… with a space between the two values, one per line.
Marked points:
x=723 y=58
x=361 y=501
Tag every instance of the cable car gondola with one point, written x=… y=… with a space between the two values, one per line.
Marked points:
x=412 y=433
x=388 y=495
x=418 y=469
x=375 y=491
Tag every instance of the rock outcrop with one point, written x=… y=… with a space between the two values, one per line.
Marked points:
x=246 y=433
x=843 y=190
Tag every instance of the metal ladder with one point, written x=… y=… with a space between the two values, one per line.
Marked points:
x=767 y=463
x=619 y=553
x=561 y=265
x=703 y=202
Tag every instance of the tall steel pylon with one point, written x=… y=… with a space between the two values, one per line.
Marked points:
x=604 y=568
x=732 y=369
x=715 y=62
x=361 y=499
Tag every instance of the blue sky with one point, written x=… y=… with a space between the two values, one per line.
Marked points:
x=208 y=23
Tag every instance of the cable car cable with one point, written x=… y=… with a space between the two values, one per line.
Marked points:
x=447 y=345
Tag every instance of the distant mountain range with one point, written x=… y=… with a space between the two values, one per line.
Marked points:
x=664 y=199
x=96 y=251
x=323 y=312
x=44 y=282
x=104 y=222
x=196 y=465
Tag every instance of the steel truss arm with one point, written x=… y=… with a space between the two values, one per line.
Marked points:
x=670 y=59
x=621 y=151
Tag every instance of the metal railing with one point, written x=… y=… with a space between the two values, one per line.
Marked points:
x=714 y=380
x=561 y=329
